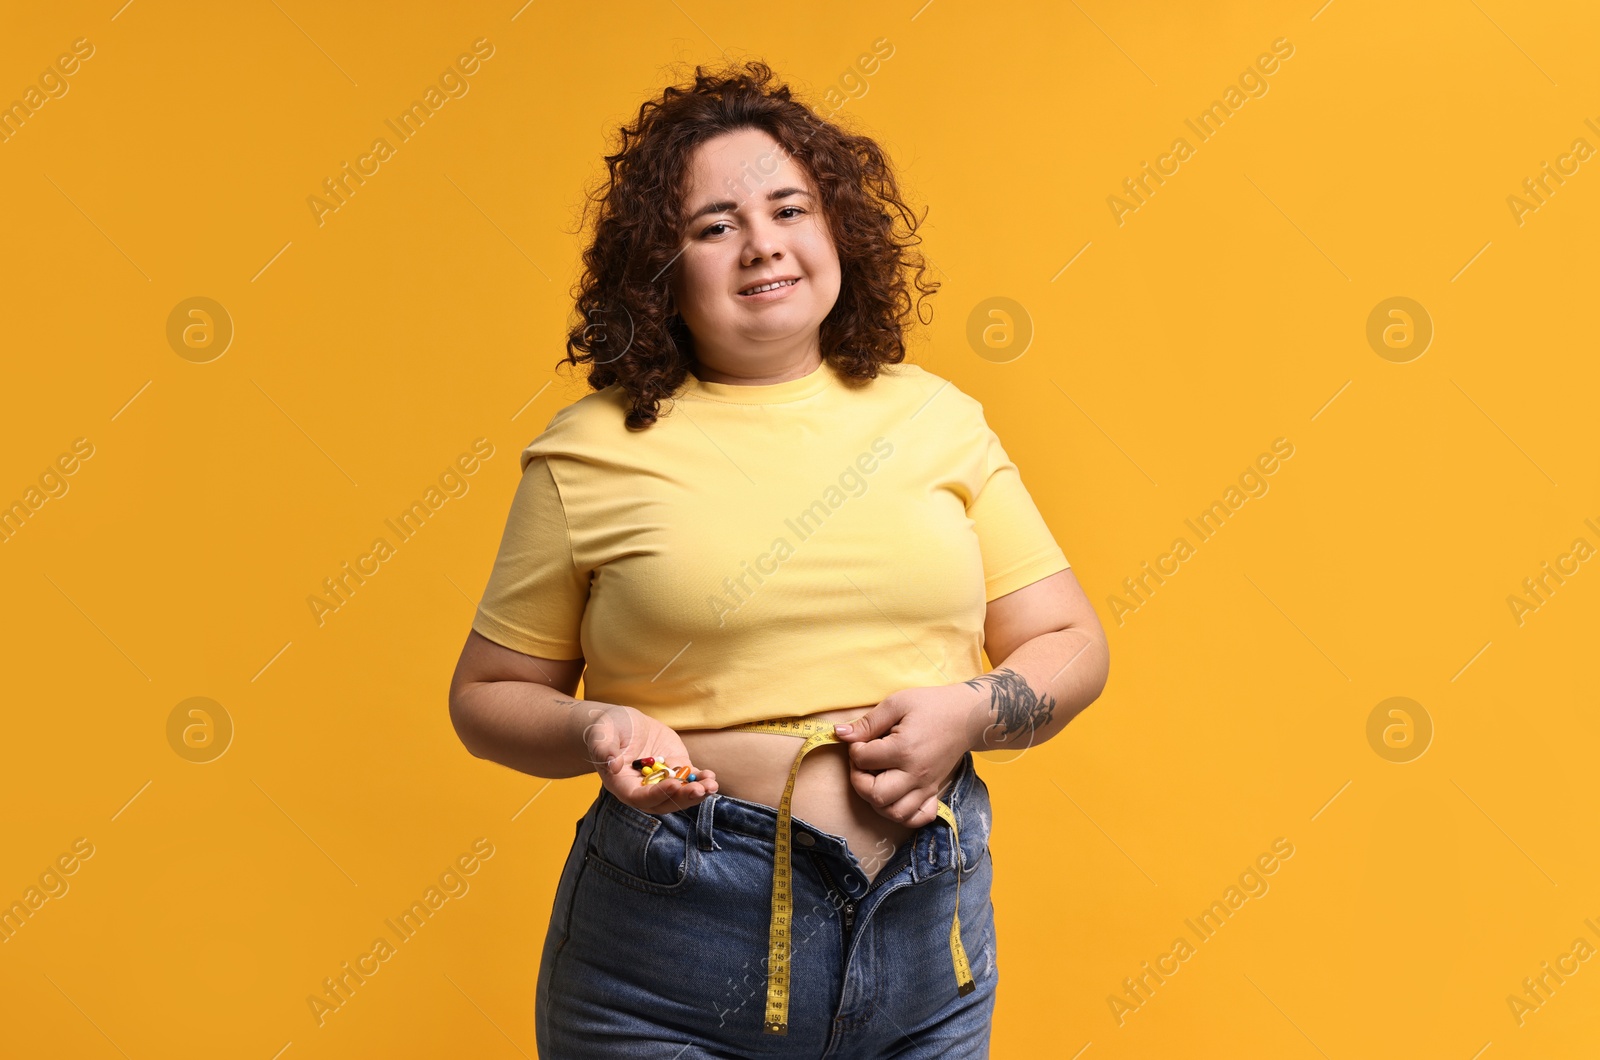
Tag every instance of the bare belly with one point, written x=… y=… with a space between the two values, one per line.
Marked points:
x=754 y=766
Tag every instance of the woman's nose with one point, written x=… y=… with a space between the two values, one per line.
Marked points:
x=762 y=243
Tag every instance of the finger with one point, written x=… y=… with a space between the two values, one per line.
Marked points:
x=874 y=723
x=882 y=790
x=914 y=810
x=705 y=782
x=679 y=797
x=885 y=752
x=681 y=794
x=863 y=783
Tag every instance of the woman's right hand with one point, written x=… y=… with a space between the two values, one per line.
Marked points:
x=617 y=735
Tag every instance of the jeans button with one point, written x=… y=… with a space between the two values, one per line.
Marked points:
x=805 y=839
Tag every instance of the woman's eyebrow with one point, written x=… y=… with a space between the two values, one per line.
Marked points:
x=728 y=205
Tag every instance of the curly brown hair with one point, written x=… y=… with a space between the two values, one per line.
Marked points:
x=625 y=291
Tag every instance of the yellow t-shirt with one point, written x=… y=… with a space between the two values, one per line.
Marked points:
x=765 y=551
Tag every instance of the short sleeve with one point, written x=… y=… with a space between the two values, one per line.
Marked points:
x=1017 y=547
x=536 y=595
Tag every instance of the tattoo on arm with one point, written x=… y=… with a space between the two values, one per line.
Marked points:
x=1017 y=708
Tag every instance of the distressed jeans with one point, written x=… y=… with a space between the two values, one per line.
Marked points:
x=657 y=944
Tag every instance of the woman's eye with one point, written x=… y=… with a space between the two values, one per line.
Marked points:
x=714 y=230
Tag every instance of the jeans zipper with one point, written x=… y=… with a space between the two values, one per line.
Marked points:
x=849 y=905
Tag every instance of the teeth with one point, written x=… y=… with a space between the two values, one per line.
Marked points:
x=771 y=286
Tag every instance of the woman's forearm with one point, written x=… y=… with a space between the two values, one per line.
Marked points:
x=524 y=725
x=1038 y=689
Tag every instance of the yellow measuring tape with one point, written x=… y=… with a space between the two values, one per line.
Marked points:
x=816 y=733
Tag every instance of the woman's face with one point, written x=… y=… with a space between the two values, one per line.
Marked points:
x=753 y=217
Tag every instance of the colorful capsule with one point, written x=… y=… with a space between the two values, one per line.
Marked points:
x=653 y=770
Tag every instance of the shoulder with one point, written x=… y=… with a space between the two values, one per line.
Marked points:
x=587 y=428
x=930 y=394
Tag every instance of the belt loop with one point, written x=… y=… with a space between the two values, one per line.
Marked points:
x=705 y=814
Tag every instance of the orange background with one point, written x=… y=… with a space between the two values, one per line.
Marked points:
x=1168 y=351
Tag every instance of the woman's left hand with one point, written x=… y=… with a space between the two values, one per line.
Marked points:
x=902 y=750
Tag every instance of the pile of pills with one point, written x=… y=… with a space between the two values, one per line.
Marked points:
x=654 y=770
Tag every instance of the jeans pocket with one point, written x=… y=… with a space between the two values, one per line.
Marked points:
x=654 y=853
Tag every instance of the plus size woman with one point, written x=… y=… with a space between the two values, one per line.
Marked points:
x=760 y=523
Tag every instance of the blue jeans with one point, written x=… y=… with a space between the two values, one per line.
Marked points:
x=657 y=945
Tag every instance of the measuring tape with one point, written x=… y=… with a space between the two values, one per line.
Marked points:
x=816 y=733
